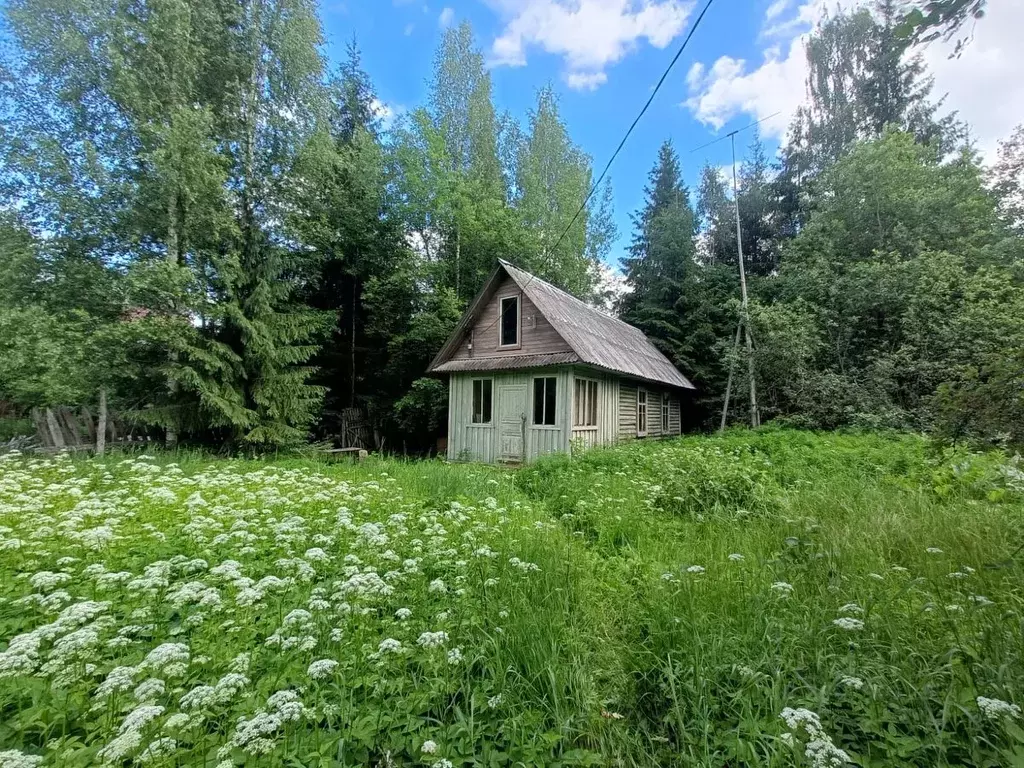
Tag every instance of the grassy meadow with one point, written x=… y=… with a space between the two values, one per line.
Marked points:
x=770 y=599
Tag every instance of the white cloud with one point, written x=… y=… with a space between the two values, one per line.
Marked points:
x=984 y=85
x=589 y=35
x=446 y=18
x=776 y=9
x=730 y=88
x=386 y=113
x=408 y=29
x=585 y=81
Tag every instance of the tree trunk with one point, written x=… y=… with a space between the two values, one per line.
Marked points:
x=171 y=435
x=55 y=433
x=352 y=348
x=101 y=423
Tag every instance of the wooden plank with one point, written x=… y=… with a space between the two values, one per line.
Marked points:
x=537 y=335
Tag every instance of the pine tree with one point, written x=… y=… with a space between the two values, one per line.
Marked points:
x=668 y=297
x=278 y=105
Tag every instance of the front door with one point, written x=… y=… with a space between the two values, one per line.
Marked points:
x=511 y=422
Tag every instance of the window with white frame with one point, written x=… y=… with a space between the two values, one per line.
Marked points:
x=508 y=327
x=482 y=393
x=544 y=399
x=664 y=414
x=641 y=412
x=585 y=403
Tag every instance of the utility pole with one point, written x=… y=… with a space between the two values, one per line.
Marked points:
x=744 y=321
x=755 y=419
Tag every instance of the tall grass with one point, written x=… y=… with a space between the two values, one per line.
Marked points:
x=686 y=593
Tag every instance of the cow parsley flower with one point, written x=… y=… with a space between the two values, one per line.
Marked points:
x=13 y=758
x=390 y=645
x=783 y=588
x=402 y=614
x=455 y=656
x=819 y=749
x=851 y=608
x=852 y=682
x=848 y=623
x=995 y=709
x=432 y=639
x=322 y=668
x=933 y=551
x=736 y=557
x=429 y=747
x=695 y=569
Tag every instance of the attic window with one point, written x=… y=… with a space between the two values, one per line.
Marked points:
x=509 y=325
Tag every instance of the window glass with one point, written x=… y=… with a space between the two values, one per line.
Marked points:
x=664 y=413
x=585 y=403
x=641 y=412
x=482 y=389
x=544 y=400
x=509 y=321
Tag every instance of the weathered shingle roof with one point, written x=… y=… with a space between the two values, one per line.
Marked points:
x=506 y=362
x=595 y=338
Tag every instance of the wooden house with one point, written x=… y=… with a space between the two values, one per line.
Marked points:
x=534 y=370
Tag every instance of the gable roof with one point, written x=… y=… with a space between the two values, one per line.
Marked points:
x=595 y=338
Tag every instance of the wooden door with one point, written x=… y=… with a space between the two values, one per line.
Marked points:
x=511 y=422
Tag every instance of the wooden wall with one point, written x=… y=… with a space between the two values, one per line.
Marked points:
x=480 y=442
x=616 y=414
x=537 y=336
x=607 y=430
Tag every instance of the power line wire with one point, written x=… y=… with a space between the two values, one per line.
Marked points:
x=733 y=133
x=622 y=143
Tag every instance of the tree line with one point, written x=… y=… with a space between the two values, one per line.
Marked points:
x=212 y=230
x=885 y=262
x=208 y=225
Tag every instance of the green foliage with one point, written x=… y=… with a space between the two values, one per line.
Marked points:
x=598 y=620
x=422 y=410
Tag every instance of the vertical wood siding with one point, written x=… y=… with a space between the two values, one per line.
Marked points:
x=536 y=335
x=675 y=417
x=616 y=414
x=627 y=411
x=474 y=442
x=481 y=442
x=607 y=430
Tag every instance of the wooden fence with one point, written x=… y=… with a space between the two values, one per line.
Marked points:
x=74 y=429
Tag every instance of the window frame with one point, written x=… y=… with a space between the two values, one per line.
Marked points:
x=666 y=415
x=490 y=404
x=641 y=402
x=519 y=321
x=588 y=407
x=552 y=382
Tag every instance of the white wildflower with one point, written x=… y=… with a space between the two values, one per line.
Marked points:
x=994 y=709
x=322 y=668
x=429 y=747
x=848 y=623
x=13 y=758
x=432 y=639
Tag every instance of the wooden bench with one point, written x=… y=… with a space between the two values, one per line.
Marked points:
x=359 y=454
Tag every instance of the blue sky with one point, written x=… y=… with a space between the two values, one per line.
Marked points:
x=744 y=63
